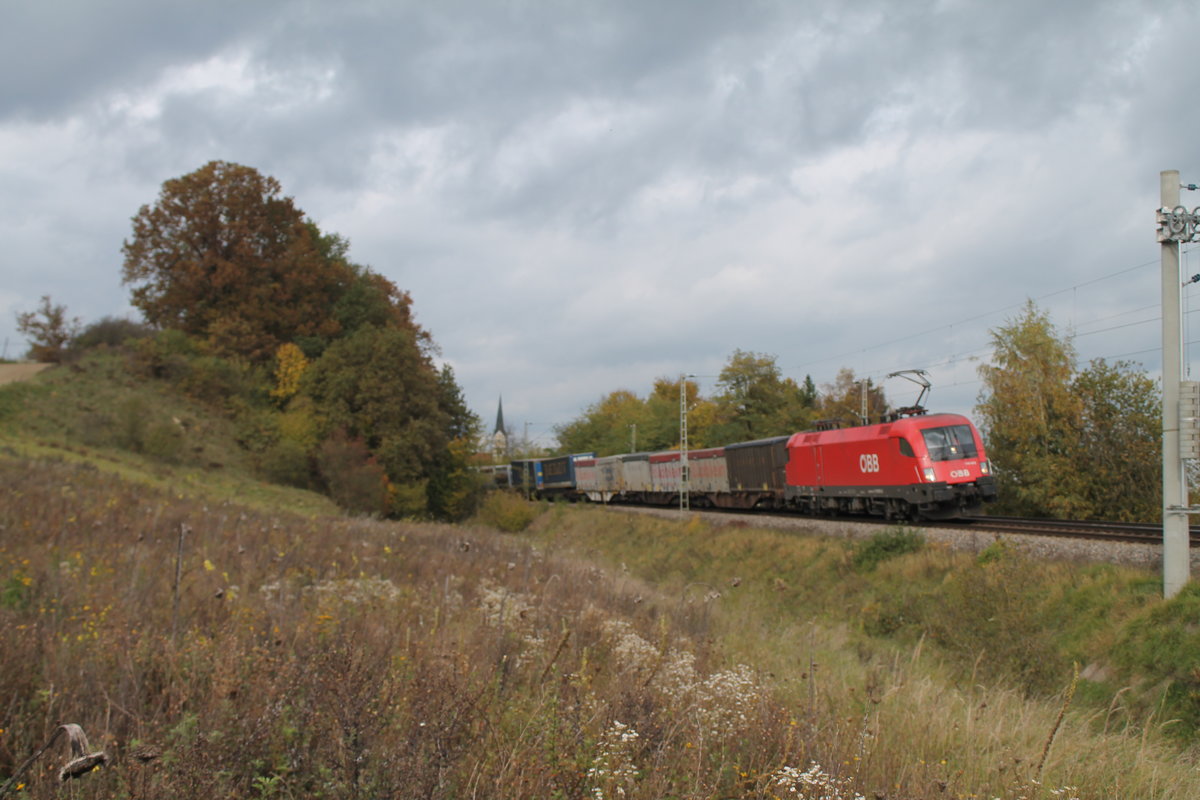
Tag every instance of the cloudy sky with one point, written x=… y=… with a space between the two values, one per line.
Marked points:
x=583 y=196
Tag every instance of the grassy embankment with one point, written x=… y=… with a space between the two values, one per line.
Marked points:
x=96 y=411
x=263 y=653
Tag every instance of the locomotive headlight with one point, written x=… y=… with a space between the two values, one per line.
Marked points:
x=985 y=468
x=930 y=477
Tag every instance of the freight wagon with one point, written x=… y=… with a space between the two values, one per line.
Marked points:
x=916 y=467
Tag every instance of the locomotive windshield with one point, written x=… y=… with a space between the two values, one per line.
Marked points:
x=950 y=443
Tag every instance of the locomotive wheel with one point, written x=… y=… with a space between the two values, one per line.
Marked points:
x=897 y=511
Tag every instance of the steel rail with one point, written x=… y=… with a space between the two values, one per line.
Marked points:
x=1098 y=530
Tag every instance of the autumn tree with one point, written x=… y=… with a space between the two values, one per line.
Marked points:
x=223 y=256
x=754 y=400
x=659 y=428
x=242 y=284
x=605 y=427
x=48 y=330
x=290 y=364
x=1119 y=452
x=842 y=400
x=365 y=298
x=1030 y=415
x=376 y=385
x=454 y=489
x=108 y=332
x=621 y=421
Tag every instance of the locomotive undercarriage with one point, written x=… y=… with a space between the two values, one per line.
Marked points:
x=931 y=501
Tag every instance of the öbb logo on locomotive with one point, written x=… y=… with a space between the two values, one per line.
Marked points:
x=903 y=467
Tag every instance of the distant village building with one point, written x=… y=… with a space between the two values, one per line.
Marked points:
x=500 y=434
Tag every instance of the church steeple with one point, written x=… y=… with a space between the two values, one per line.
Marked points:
x=500 y=419
x=500 y=434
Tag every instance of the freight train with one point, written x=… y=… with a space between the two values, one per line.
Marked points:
x=915 y=467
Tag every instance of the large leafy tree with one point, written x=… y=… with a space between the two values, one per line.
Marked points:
x=754 y=400
x=1031 y=417
x=365 y=298
x=377 y=385
x=1119 y=455
x=1064 y=442
x=621 y=421
x=224 y=257
x=606 y=427
x=658 y=428
x=842 y=401
x=454 y=489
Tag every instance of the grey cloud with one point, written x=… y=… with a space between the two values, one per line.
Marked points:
x=885 y=167
x=55 y=57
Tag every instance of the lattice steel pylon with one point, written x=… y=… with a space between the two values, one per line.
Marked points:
x=684 y=502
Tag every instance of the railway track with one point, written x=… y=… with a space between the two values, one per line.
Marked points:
x=1096 y=531
x=1130 y=532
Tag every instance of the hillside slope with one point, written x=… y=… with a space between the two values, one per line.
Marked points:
x=96 y=410
x=156 y=593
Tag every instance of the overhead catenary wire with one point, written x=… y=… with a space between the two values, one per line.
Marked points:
x=976 y=317
x=1077 y=330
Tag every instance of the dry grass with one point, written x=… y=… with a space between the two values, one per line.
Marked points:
x=344 y=658
x=947 y=713
x=11 y=373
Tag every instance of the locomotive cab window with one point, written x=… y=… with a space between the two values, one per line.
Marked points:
x=950 y=443
x=906 y=448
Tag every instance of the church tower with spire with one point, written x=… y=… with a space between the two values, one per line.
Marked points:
x=500 y=434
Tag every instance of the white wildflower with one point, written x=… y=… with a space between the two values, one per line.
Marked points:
x=612 y=766
x=726 y=699
x=502 y=606
x=814 y=784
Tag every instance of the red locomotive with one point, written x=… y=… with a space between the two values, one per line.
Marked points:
x=927 y=467
x=910 y=466
x=917 y=467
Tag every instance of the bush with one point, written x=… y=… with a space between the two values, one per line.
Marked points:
x=96 y=428
x=286 y=462
x=221 y=382
x=996 y=551
x=256 y=428
x=454 y=489
x=999 y=613
x=508 y=512
x=299 y=423
x=886 y=545
x=166 y=355
x=1164 y=641
x=110 y=332
x=163 y=441
x=408 y=500
x=353 y=479
x=131 y=424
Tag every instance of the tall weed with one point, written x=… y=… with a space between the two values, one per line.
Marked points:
x=508 y=511
x=329 y=657
x=1164 y=642
x=883 y=546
